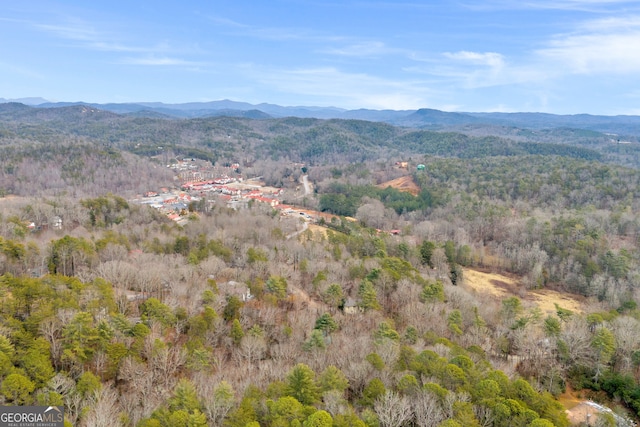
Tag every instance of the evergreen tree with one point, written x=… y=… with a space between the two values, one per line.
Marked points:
x=368 y=296
x=301 y=384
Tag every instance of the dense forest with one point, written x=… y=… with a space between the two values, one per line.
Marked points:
x=251 y=318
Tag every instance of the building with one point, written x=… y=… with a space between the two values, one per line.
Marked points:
x=351 y=307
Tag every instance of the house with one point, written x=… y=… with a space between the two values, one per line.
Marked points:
x=56 y=223
x=271 y=202
x=237 y=289
x=351 y=307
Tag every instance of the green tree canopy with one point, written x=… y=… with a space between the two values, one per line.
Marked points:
x=301 y=384
x=17 y=389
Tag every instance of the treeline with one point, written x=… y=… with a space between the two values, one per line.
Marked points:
x=560 y=223
x=453 y=144
x=345 y=199
x=545 y=181
x=77 y=167
x=312 y=141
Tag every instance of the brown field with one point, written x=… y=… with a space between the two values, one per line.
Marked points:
x=404 y=183
x=318 y=230
x=500 y=286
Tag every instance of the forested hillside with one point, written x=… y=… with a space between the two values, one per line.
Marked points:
x=362 y=317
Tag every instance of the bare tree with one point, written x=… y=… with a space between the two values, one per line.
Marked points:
x=142 y=395
x=392 y=409
x=252 y=349
x=104 y=409
x=440 y=264
x=334 y=402
x=165 y=362
x=427 y=411
x=484 y=415
x=51 y=329
x=627 y=332
x=217 y=399
x=371 y=213
x=577 y=338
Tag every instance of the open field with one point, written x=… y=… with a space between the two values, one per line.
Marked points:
x=319 y=230
x=500 y=286
x=404 y=183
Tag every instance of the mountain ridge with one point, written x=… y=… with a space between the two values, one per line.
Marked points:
x=426 y=118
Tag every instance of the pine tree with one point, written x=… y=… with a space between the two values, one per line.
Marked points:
x=368 y=296
x=301 y=384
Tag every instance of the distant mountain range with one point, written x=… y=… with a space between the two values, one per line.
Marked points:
x=423 y=118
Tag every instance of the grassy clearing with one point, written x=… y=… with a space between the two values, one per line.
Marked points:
x=404 y=183
x=500 y=287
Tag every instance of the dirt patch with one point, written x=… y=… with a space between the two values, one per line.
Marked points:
x=254 y=185
x=569 y=399
x=581 y=414
x=501 y=286
x=404 y=183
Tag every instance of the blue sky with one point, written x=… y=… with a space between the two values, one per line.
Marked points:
x=555 y=56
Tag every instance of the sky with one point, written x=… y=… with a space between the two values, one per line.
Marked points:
x=553 y=56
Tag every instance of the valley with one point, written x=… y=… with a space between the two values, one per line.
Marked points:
x=237 y=271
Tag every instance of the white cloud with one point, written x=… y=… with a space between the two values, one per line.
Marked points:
x=219 y=20
x=608 y=46
x=114 y=47
x=593 y=6
x=363 y=49
x=330 y=86
x=268 y=33
x=74 y=31
x=87 y=37
x=489 y=59
x=472 y=70
x=601 y=46
x=158 y=61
